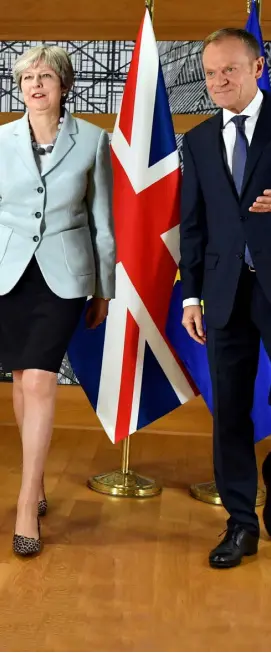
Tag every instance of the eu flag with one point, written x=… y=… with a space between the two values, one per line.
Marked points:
x=194 y=358
x=193 y=355
x=253 y=26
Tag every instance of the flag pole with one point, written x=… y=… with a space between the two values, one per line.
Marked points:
x=207 y=492
x=125 y=482
x=125 y=455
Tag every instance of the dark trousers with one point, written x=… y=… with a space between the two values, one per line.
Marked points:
x=233 y=354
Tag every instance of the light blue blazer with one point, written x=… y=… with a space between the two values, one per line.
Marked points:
x=63 y=215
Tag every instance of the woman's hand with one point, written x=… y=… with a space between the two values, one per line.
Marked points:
x=97 y=312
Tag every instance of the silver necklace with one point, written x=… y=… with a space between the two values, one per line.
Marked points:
x=44 y=150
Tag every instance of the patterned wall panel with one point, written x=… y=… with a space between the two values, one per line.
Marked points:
x=100 y=73
x=101 y=69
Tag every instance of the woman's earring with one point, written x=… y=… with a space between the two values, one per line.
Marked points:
x=63 y=99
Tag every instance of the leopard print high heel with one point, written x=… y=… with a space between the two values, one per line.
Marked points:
x=42 y=507
x=27 y=546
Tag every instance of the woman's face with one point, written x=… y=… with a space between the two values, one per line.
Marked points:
x=41 y=88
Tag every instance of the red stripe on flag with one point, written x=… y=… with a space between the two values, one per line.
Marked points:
x=140 y=219
x=128 y=100
x=127 y=378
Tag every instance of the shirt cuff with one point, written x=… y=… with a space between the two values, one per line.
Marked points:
x=192 y=301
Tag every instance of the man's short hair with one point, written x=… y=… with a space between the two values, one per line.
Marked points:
x=233 y=32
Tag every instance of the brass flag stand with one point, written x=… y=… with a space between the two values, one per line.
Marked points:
x=207 y=492
x=124 y=482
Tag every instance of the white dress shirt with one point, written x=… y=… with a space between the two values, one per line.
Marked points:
x=229 y=136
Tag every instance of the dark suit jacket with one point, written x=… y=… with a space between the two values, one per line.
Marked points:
x=216 y=223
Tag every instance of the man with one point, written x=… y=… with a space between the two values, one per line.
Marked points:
x=226 y=258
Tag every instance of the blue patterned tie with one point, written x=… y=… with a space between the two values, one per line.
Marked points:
x=239 y=158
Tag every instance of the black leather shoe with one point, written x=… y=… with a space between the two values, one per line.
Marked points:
x=267 y=482
x=236 y=544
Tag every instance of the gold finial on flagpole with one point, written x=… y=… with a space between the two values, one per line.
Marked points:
x=150 y=6
x=258 y=5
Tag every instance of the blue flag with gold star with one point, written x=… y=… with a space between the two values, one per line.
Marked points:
x=194 y=355
x=194 y=358
x=253 y=26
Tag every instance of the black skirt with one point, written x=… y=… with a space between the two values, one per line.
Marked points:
x=35 y=324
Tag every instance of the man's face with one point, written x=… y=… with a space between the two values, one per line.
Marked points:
x=231 y=73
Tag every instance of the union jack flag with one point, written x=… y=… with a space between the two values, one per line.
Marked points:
x=127 y=367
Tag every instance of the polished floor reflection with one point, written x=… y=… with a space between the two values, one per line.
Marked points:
x=128 y=575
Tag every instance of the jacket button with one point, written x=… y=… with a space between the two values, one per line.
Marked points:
x=239 y=255
x=38 y=215
x=243 y=218
x=36 y=239
x=40 y=189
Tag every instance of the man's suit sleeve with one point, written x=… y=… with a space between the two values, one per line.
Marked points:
x=101 y=222
x=193 y=228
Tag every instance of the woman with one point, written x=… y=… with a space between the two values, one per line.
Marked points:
x=56 y=247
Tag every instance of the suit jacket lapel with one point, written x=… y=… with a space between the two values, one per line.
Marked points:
x=261 y=138
x=23 y=146
x=64 y=143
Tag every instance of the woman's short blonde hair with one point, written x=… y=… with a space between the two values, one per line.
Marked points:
x=53 y=56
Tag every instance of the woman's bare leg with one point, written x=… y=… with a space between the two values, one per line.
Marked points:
x=39 y=393
x=18 y=407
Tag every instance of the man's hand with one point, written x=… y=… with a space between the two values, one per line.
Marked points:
x=97 y=312
x=192 y=321
x=262 y=204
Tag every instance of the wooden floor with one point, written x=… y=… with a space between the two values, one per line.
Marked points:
x=127 y=575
